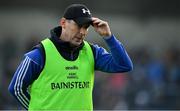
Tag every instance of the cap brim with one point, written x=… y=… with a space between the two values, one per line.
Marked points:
x=83 y=20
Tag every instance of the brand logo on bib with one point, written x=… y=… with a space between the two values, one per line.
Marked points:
x=71 y=67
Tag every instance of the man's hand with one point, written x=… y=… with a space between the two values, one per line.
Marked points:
x=101 y=27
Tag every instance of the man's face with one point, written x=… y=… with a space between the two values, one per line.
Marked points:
x=75 y=34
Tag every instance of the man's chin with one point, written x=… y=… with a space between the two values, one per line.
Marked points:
x=75 y=44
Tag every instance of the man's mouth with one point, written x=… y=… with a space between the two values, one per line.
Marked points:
x=79 y=38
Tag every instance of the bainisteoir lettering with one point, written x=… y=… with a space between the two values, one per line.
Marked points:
x=70 y=85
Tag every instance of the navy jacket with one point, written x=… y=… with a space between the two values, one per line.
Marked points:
x=117 y=61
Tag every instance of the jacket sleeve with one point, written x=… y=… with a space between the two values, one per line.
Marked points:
x=117 y=61
x=25 y=74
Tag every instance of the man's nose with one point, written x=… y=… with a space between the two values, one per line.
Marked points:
x=83 y=31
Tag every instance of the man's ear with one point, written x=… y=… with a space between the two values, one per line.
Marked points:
x=63 y=22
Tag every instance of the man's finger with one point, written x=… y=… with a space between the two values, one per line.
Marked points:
x=101 y=23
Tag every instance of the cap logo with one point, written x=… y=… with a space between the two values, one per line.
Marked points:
x=86 y=11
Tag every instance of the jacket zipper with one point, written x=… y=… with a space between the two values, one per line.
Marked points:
x=72 y=55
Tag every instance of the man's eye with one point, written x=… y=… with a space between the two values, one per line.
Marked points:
x=79 y=26
x=86 y=26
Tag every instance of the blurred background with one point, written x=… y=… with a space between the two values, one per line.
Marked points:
x=148 y=29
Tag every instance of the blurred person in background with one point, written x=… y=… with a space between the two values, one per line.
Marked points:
x=8 y=61
x=58 y=73
x=172 y=78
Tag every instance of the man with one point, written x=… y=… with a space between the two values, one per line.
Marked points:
x=59 y=72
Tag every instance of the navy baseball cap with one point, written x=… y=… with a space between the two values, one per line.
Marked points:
x=79 y=13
